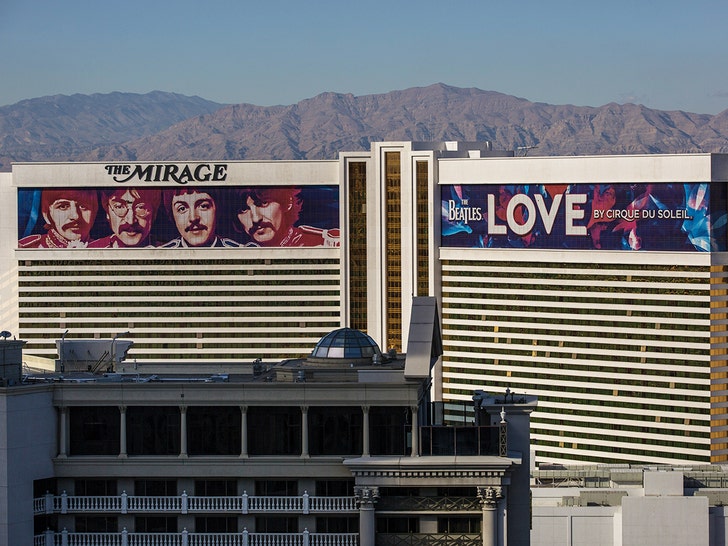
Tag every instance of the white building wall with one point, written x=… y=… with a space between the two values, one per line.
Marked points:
x=8 y=263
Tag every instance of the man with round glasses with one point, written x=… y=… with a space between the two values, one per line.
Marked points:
x=131 y=213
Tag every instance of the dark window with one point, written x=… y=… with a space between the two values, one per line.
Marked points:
x=216 y=488
x=155 y=524
x=458 y=524
x=388 y=428
x=96 y=524
x=216 y=524
x=155 y=488
x=95 y=488
x=274 y=430
x=94 y=430
x=337 y=524
x=153 y=430
x=276 y=524
x=398 y=525
x=335 y=431
x=276 y=488
x=334 y=488
x=43 y=486
x=213 y=430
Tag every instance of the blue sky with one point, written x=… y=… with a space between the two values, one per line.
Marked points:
x=664 y=54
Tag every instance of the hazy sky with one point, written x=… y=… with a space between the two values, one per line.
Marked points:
x=664 y=54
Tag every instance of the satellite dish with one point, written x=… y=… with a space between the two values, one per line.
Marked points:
x=5 y=334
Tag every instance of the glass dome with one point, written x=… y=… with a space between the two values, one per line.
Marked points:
x=346 y=343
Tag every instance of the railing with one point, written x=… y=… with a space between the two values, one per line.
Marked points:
x=185 y=504
x=245 y=538
x=422 y=539
x=429 y=504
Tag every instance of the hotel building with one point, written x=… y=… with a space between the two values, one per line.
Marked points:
x=597 y=284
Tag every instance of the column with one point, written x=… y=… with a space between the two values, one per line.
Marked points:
x=183 y=432
x=122 y=432
x=415 y=433
x=244 y=432
x=63 y=418
x=365 y=426
x=304 y=432
x=489 y=497
x=366 y=497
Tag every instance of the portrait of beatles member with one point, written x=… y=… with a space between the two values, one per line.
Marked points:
x=69 y=215
x=194 y=212
x=131 y=213
x=268 y=216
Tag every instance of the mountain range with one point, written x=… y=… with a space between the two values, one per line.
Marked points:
x=168 y=126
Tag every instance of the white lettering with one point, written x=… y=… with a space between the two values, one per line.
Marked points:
x=521 y=199
x=549 y=216
x=493 y=228
x=573 y=213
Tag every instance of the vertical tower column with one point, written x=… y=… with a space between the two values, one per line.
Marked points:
x=183 y=431
x=366 y=497
x=365 y=426
x=304 y=432
x=243 y=432
x=62 y=437
x=122 y=432
x=489 y=497
x=415 y=433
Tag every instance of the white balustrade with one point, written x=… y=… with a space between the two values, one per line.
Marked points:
x=275 y=504
x=215 y=504
x=154 y=504
x=183 y=504
x=94 y=504
x=197 y=539
x=333 y=504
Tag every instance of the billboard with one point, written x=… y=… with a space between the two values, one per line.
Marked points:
x=179 y=217
x=658 y=217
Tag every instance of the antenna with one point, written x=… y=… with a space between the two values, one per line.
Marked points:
x=524 y=149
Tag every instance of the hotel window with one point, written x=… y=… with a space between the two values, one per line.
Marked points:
x=393 y=182
x=153 y=430
x=213 y=430
x=335 y=431
x=155 y=524
x=423 y=227
x=274 y=430
x=358 y=245
x=94 y=430
x=388 y=428
x=216 y=488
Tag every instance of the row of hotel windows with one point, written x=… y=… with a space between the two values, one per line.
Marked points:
x=603 y=379
x=645 y=377
x=450 y=315
x=493 y=326
x=532 y=311
x=218 y=430
x=460 y=267
x=628 y=288
x=206 y=266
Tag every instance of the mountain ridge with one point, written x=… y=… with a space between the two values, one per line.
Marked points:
x=168 y=126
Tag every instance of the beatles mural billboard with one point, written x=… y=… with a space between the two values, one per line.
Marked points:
x=657 y=217
x=182 y=215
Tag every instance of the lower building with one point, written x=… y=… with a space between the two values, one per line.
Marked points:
x=339 y=448
x=630 y=505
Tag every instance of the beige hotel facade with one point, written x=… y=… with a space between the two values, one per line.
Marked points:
x=596 y=284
